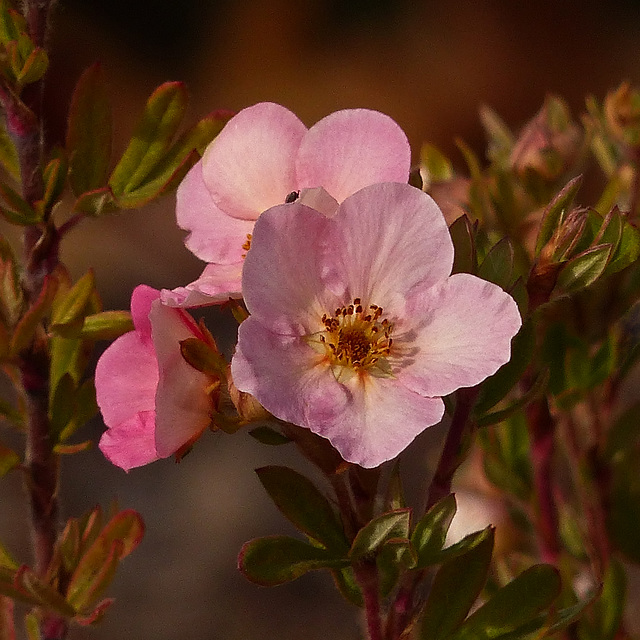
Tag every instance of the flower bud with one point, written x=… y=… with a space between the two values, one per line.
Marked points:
x=248 y=408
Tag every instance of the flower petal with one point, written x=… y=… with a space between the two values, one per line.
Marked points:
x=250 y=166
x=132 y=443
x=387 y=238
x=281 y=281
x=380 y=420
x=463 y=330
x=216 y=285
x=126 y=379
x=350 y=149
x=213 y=236
x=141 y=298
x=286 y=376
x=183 y=407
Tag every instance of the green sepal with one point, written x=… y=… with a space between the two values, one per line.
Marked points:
x=18 y=210
x=151 y=138
x=27 y=581
x=514 y=609
x=89 y=133
x=456 y=586
x=304 y=506
x=584 y=269
x=496 y=387
x=393 y=524
x=203 y=357
x=278 y=559
x=28 y=324
x=437 y=166
x=497 y=267
x=269 y=436
x=9 y=459
x=96 y=567
x=430 y=532
x=463 y=236
x=603 y=618
x=556 y=211
x=69 y=309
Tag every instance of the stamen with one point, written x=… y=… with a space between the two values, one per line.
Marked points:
x=247 y=245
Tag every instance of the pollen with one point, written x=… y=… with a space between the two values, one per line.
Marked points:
x=247 y=245
x=358 y=337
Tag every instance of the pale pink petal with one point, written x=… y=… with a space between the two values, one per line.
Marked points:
x=126 y=379
x=380 y=420
x=462 y=330
x=132 y=443
x=183 y=407
x=286 y=376
x=351 y=149
x=317 y=198
x=386 y=239
x=216 y=285
x=141 y=299
x=250 y=166
x=213 y=236
x=281 y=281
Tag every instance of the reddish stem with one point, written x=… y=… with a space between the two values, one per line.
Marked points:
x=367 y=577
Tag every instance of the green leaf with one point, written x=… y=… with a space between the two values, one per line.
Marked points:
x=463 y=236
x=584 y=269
x=6 y=561
x=32 y=626
x=8 y=153
x=278 y=559
x=19 y=211
x=54 y=176
x=96 y=202
x=304 y=506
x=394 y=524
x=394 y=558
x=46 y=595
x=602 y=621
x=151 y=138
x=436 y=164
x=348 y=586
x=455 y=588
x=627 y=250
x=430 y=533
x=35 y=66
x=501 y=139
x=203 y=357
x=11 y=23
x=9 y=459
x=469 y=542
x=89 y=132
x=267 y=435
x=556 y=211
x=62 y=406
x=70 y=309
x=497 y=267
x=513 y=606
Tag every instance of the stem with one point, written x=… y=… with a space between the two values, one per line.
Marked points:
x=367 y=577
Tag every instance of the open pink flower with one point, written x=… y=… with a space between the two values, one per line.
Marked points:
x=152 y=401
x=264 y=154
x=357 y=327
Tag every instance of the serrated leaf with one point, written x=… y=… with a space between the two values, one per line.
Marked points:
x=463 y=237
x=584 y=269
x=388 y=525
x=557 y=209
x=278 y=559
x=304 y=506
x=430 y=533
x=269 y=436
x=151 y=138
x=513 y=606
x=89 y=133
x=455 y=588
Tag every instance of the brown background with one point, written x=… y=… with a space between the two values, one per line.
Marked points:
x=429 y=65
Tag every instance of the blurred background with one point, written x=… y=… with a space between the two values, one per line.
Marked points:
x=429 y=65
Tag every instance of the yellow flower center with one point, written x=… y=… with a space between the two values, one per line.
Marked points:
x=358 y=339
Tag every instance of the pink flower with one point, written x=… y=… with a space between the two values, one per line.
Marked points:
x=264 y=154
x=152 y=401
x=357 y=327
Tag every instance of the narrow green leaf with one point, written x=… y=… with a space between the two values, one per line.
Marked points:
x=9 y=459
x=348 y=586
x=436 y=164
x=6 y=561
x=555 y=212
x=513 y=606
x=8 y=153
x=455 y=588
x=62 y=406
x=430 y=533
x=18 y=208
x=47 y=596
x=394 y=558
x=627 y=251
x=393 y=524
x=85 y=408
x=463 y=237
x=32 y=626
x=106 y=325
x=70 y=308
x=469 y=542
x=89 y=132
x=151 y=138
x=35 y=66
x=55 y=176
x=497 y=267
x=584 y=269
x=304 y=506
x=267 y=435
x=96 y=202
x=11 y=23
x=278 y=559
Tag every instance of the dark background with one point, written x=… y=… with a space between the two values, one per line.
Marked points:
x=429 y=65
